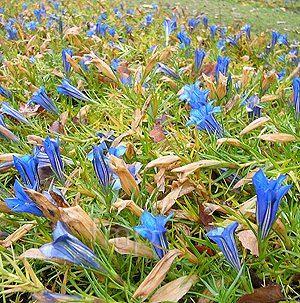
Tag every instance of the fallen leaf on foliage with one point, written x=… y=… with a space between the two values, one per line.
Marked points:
x=121 y=204
x=47 y=177
x=232 y=141
x=162 y=162
x=81 y=117
x=9 y=156
x=257 y=282
x=245 y=76
x=139 y=114
x=4 y=208
x=31 y=87
x=75 y=30
x=209 y=69
x=169 y=81
x=269 y=294
x=167 y=52
x=203 y=216
x=268 y=98
x=157 y=275
x=58 y=199
x=221 y=89
x=231 y=102
x=175 y=290
x=168 y=201
x=57 y=73
x=58 y=126
x=19 y=233
x=247 y=179
x=249 y=241
x=123 y=70
x=202 y=249
x=278 y=137
x=254 y=124
x=157 y=134
x=124 y=246
x=104 y=68
x=210 y=208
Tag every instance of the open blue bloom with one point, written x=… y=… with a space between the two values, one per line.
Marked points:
x=193 y=24
x=101 y=168
x=247 y=29
x=225 y=239
x=205 y=119
x=101 y=28
x=174 y=22
x=22 y=203
x=153 y=229
x=31 y=25
x=293 y=54
x=41 y=98
x=194 y=95
x=108 y=137
x=25 y=6
x=269 y=194
x=68 y=89
x=168 y=29
x=148 y=19
x=253 y=107
x=66 y=64
x=10 y=111
x=52 y=150
x=163 y=68
x=281 y=74
x=67 y=247
x=49 y=297
x=5 y=93
x=205 y=22
x=38 y=15
x=275 y=36
x=213 y=30
x=11 y=32
x=112 y=31
x=199 y=56
x=222 y=66
x=283 y=40
x=27 y=166
x=296 y=87
x=115 y=63
x=223 y=31
x=221 y=45
x=184 y=39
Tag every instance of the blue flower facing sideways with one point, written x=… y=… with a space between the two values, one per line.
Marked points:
x=194 y=95
x=66 y=64
x=49 y=297
x=166 y=70
x=5 y=93
x=10 y=111
x=225 y=239
x=222 y=66
x=269 y=194
x=153 y=229
x=67 y=247
x=296 y=87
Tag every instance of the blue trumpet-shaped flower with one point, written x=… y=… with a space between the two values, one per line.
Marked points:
x=269 y=194
x=10 y=111
x=5 y=93
x=66 y=64
x=27 y=166
x=49 y=297
x=223 y=31
x=11 y=32
x=247 y=29
x=253 y=107
x=283 y=40
x=52 y=150
x=222 y=66
x=225 y=239
x=205 y=119
x=22 y=203
x=193 y=24
x=164 y=69
x=101 y=28
x=70 y=90
x=296 y=87
x=275 y=36
x=194 y=95
x=184 y=39
x=205 y=22
x=41 y=98
x=153 y=229
x=67 y=247
x=168 y=29
x=221 y=45
x=6 y=133
x=199 y=56
x=112 y=31
x=213 y=30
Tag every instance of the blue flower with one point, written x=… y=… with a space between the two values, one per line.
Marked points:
x=9 y=110
x=31 y=25
x=49 y=297
x=90 y=33
x=194 y=95
x=67 y=247
x=269 y=194
x=283 y=40
x=25 y=6
x=253 y=107
x=222 y=66
x=225 y=239
x=193 y=24
x=41 y=98
x=163 y=68
x=213 y=30
x=115 y=63
x=247 y=29
x=5 y=93
x=6 y=133
x=153 y=229
x=296 y=87
x=223 y=31
x=11 y=32
x=281 y=75
x=221 y=45
x=199 y=56
x=111 y=31
x=66 y=64
x=275 y=36
x=101 y=28
x=38 y=15
x=293 y=55
x=22 y=203
x=184 y=39
x=27 y=166
x=205 y=22
x=233 y=41
x=168 y=29
x=52 y=150
x=205 y=119
x=148 y=19
x=70 y=90
x=32 y=60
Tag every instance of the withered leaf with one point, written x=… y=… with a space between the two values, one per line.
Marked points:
x=26 y=110
x=123 y=71
x=269 y=294
x=202 y=248
x=203 y=216
x=157 y=134
x=249 y=241
x=209 y=69
x=59 y=125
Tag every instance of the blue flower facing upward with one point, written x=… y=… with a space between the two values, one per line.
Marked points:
x=222 y=66
x=225 y=239
x=213 y=30
x=168 y=29
x=101 y=28
x=296 y=87
x=199 y=56
x=66 y=64
x=275 y=36
x=269 y=194
x=205 y=22
x=194 y=95
x=184 y=39
x=247 y=29
x=153 y=229
x=67 y=247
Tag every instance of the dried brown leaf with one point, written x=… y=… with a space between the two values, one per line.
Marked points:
x=128 y=204
x=162 y=162
x=157 y=134
x=254 y=124
x=58 y=126
x=249 y=241
x=232 y=141
x=19 y=233
x=278 y=137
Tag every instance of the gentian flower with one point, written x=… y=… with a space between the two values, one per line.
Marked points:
x=27 y=166
x=193 y=24
x=90 y=33
x=31 y=25
x=148 y=19
x=153 y=229
x=5 y=166
x=275 y=36
x=223 y=31
x=233 y=41
x=67 y=247
x=41 y=98
x=108 y=137
x=293 y=54
x=66 y=64
x=111 y=31
x=283 y=40
x=52 y=150
x=32 y=60
x=9 y=110
x=168 y=29
x=115 y=63
x=281 y=75
x=6 y=133
x=269 y=194
x=70 y=90
x=129 y=29
x=194 y=95
x=205 y=22
x=268 y=49
x=253 y=107
x=49 y=297
x=11 y=32
x=225 y=239
x=38 y=15
x=199 y=56
x=184 y=39
x=205 y=119
x=296 y=87
x=5 y=93
x=222 y=66
x=22 y=203
x=25 y=6
x=247 y=29
x=174 y=22
x=163 y=68
x=101 y=28
x=213 y=30
x=221 y=45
